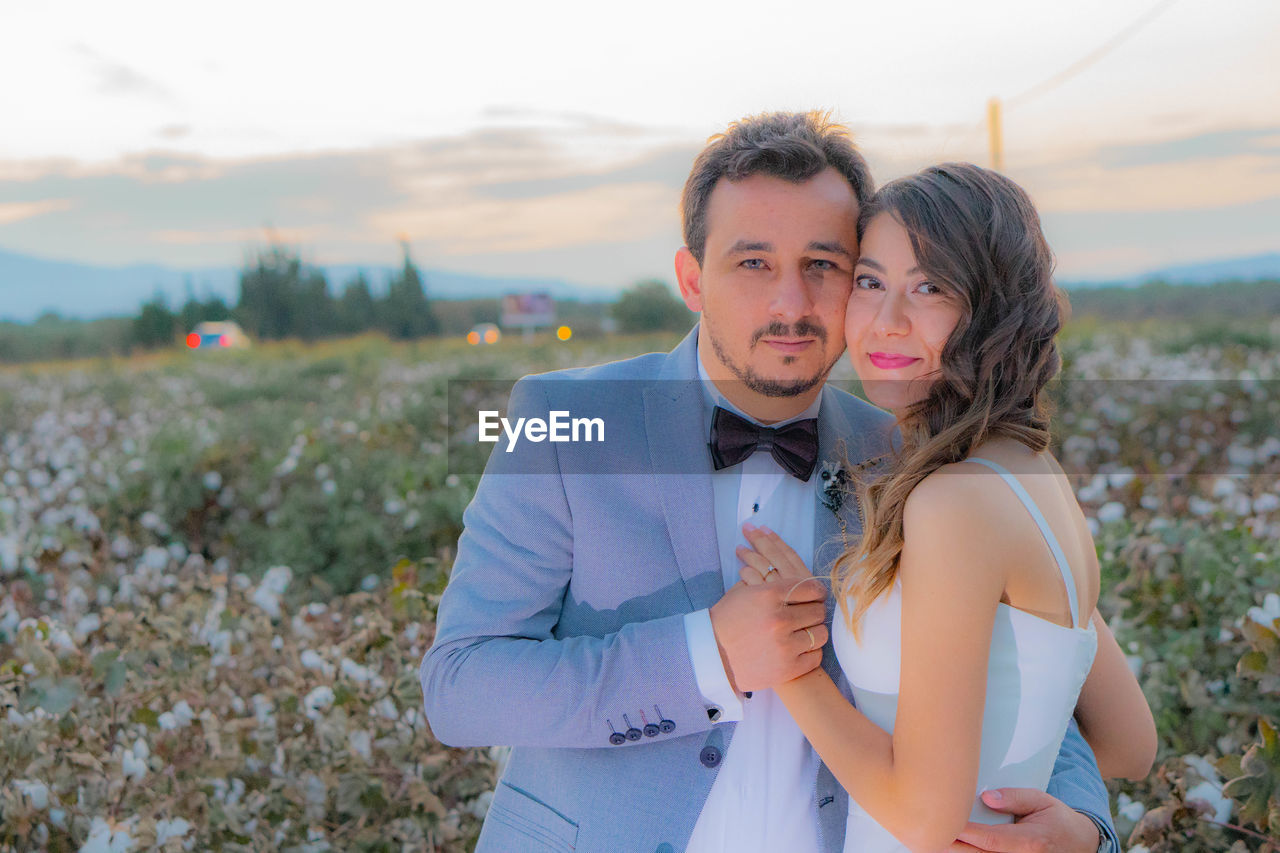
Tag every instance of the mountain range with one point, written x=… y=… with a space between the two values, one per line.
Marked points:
x=31 y=286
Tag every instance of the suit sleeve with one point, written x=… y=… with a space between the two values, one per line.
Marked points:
x=1077 y=782
x=498 y=672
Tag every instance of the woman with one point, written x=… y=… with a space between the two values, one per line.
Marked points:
x=969 y=631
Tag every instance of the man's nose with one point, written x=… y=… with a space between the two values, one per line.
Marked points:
x=791 y=298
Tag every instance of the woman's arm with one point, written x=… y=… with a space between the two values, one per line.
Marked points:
x=1113 y=714
x=919 y=783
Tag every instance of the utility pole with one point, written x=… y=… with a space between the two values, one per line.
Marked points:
x=995 y=134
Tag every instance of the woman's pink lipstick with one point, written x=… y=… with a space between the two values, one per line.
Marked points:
x=890 y=361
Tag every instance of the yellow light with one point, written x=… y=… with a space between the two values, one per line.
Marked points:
x=490 y=336
x=473 y=338
x=564 y=333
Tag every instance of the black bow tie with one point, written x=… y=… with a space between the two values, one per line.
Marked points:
x=794 y=446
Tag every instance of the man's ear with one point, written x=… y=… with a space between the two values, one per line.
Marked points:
x=689 y=276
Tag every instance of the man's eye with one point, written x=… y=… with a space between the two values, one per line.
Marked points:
x=754 y=263
x=823 y=265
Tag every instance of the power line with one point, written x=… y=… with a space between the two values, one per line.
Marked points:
x=1081 y=64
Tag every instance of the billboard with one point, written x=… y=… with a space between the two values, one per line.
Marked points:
x=528 y=310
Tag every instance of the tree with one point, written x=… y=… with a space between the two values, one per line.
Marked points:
x=315 y=314
x=649 y=306
x=406 y=312
x=155 y=325
x=280 y=298
x=357 y=311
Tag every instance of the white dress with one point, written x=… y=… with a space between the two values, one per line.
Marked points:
x=1034 y=674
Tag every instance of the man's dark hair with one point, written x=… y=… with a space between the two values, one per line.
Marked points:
x=792 y=146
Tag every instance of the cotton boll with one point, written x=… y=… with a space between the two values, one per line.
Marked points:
x=1265 y=503
x=37 y=792
x=311 y=659
x=167 y=829
x=318 y=700
x=1111 y=512
x=361 y=743
x=133 y=767
x=1268 y=612
x=1212 y=794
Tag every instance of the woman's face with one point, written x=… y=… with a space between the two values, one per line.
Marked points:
x=897 y=321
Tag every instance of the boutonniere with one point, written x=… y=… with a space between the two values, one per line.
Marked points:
x=835 y=481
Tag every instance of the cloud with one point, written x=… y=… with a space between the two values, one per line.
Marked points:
x=667 y=167
x=239 y=237
x=18 y=210
x=116 y=78
x=580 y=202
x=1189 y=149
x=593 y=215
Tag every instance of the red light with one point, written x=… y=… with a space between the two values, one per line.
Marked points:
x=193 y=340
x=224 y=341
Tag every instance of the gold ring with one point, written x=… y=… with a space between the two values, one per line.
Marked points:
x=771 y=570
x=812 y=642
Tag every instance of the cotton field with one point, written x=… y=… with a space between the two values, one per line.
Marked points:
x=218 y=578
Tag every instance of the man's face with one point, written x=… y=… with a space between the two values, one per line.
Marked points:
x=772 y=287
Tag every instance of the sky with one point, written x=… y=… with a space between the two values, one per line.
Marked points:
x=552 y=139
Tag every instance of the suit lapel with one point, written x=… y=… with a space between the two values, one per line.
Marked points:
x=676 y=431
x=840 y=445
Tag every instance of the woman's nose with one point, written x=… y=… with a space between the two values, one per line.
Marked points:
x=892 y=318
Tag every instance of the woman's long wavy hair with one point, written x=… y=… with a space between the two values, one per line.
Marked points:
x=976 y=235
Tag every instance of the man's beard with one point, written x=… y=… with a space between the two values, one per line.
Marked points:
x=774 y=387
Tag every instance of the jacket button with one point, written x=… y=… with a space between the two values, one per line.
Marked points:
x=650 y=730
x=617 y=739
x=666 y=727
x=713 y=714
x=710 y=756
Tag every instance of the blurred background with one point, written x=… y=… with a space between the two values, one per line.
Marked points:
x=153 y=151
x=249 y=251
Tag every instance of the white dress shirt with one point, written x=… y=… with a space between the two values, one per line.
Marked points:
x=764 y=795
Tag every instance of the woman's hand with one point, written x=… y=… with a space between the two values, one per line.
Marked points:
x=769 y=559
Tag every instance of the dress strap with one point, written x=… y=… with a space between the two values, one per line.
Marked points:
x=1067 y=578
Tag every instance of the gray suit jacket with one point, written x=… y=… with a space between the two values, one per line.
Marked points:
x=561 y=632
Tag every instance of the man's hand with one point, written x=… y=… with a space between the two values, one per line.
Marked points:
x=769 y=633
x=1043 y=824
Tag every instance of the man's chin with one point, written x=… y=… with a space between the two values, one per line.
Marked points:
x=782 y=387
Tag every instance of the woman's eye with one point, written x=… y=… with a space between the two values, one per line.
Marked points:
x=866 y=282
x=929 y=288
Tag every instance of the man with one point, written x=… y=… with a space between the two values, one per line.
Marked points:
x=593 y=621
